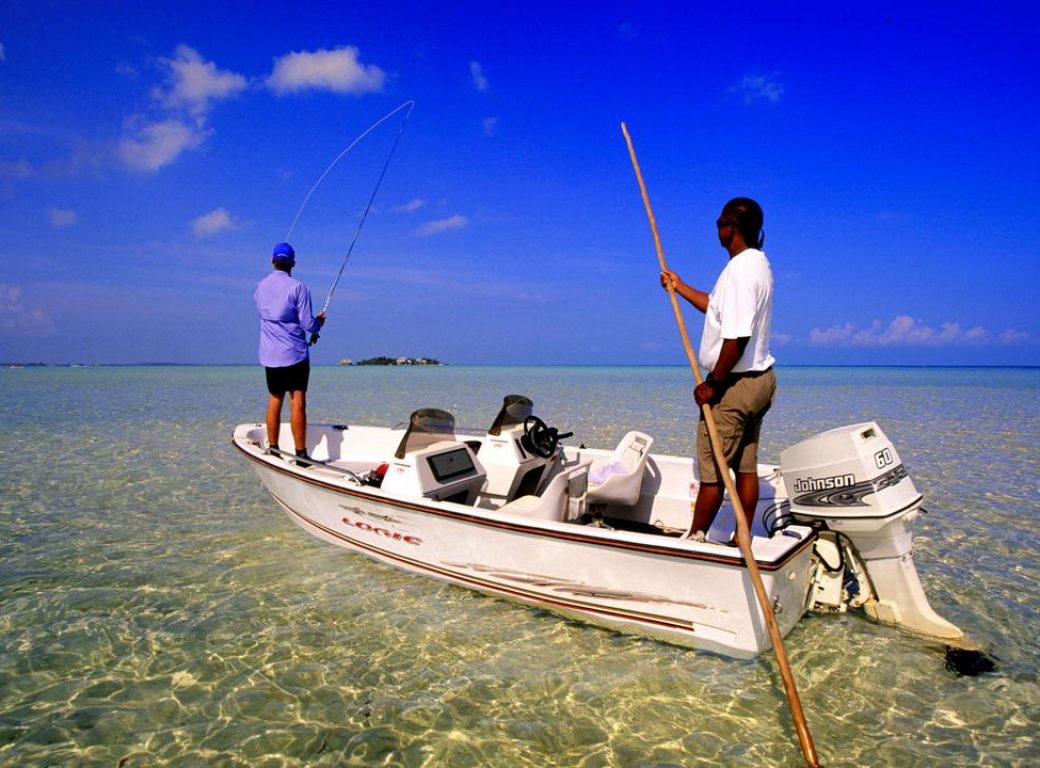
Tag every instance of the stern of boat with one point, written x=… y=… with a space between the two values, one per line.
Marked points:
x=851 y=485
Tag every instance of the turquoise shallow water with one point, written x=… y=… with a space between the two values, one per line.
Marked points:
x=158 y=609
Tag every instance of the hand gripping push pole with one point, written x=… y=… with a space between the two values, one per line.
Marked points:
x=743 y=534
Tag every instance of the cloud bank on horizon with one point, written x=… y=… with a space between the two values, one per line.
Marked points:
x=906 y=331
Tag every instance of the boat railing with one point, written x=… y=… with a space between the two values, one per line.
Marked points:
x=307 y=461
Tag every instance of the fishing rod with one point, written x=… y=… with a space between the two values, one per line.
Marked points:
x=410 y=104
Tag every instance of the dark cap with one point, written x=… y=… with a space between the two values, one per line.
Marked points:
x=283 y=252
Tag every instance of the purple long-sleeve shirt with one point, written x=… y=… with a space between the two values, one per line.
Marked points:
x=284 y=305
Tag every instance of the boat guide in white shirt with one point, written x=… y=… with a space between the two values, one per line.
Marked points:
x=597 y=534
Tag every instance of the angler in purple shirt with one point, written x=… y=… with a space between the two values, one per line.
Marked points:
x=284 y=304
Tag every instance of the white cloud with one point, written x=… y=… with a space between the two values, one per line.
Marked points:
x=191 y=89
x=61 y=217
x=443 y=225
x=755 y=88
x=150 y=146
x=337 y=70
x=490 y=125
x=411 y=206
x=906 y=332
x=214 y=222
x=193 y=84
x=476 y=73
x=14 y=316
x=1012 y=336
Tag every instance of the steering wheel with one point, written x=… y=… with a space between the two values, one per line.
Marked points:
x=542 y=439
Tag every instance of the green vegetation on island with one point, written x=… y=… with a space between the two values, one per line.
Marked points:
x=392 y=361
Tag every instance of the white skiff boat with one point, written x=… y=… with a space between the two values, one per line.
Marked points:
x=595 y=534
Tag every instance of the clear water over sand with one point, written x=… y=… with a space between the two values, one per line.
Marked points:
x=158 y=609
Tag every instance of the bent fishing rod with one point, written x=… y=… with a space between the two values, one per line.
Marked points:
x=357 y=232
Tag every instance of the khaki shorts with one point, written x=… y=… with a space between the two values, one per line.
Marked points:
x=738 y=419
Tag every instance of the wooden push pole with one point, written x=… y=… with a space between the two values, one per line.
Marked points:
x=743 y=534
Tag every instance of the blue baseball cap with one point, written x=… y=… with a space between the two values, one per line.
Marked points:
x=283 y=252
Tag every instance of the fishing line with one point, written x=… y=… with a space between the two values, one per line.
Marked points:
x=410 y=104
x=357 y=232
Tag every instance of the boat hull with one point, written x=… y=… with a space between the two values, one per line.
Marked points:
x=696 y=595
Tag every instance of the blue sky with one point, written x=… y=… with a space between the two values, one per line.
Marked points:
x=151 y=154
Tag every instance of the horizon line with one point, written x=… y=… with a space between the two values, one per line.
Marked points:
x=160 y=364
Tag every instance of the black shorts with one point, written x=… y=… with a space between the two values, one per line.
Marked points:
x=291 y=378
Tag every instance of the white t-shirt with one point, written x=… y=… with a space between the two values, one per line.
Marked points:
x=741 y=304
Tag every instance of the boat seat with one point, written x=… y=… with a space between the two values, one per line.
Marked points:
x=515 y=410
x=426 y=427
x=619 y=478
x=562 y=500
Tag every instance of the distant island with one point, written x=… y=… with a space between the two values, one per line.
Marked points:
x=392 y=361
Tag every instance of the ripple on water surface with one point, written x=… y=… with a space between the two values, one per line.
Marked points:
x=158 y=609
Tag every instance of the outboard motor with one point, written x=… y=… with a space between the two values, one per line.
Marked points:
x=852 y=481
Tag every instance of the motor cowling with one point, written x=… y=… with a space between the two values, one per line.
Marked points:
x=849 y=472
x=852 y=481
